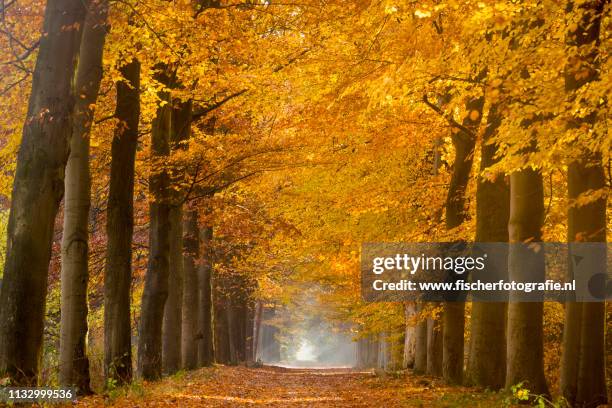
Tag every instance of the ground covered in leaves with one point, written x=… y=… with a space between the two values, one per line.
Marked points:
x=266 y=386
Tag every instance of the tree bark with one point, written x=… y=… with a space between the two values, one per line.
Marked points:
x=232 y=334
x=270 y=346
x=570 y=357
x=420 y=358
x=242 y=316
x=74 y=365
x=249 y=332
x=409 y=335
x=205 y=310
x=257 y=330
x=191 y=242
x=452 y=342
x=172 y=324
x=37 y=190
x=155 y=290
x=454 y=312
x=220 y=329
x=525 y=354
x=582 y=365
x=434 y=347
x=487 y=355
x=119 y=229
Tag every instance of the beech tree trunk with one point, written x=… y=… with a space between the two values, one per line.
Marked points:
x=191 y=243
x=249 y=332
x=570 y=357
x=525 y=354
x=420 y=357
x=155 y=290
x=270 y=346
x=119 y=229
x=38 y=188
x=583 y=360
x=257 y=329
x=222 y=352
x=487 y=354
x=172 y=324
x=205 y=310
x=434 y=347
x=367 y=352
x=74 y=365
x=591 y=388
x=409 y=335
x=242 y=317
x=232 y=333
x=454 y=312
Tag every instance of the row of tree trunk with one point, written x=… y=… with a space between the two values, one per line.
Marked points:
x=53 y=158
x=506 y=342
x=53 y=163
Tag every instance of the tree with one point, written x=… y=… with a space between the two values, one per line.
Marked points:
x=420 y=358
x=205 y=309
x=409 y=335
x=190 y=310
x=37 y=190
x=582 y=369
x=435 y=331
x=525 y=354
x=155 y=290
x=487 y=354
x=74 y=364
x=172 y=324
x=464 y=141
x=120 y=227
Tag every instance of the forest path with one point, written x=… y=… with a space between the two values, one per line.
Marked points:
x=268 y=386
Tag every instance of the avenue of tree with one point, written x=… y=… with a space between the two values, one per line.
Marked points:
x=177 y=174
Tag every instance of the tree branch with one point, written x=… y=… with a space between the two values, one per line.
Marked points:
x=291 y=60
x=448 y=117
x=216 y=105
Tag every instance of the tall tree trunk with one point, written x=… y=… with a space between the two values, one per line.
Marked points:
x=270 y=346
x=249 y=332
x=434 y=347
x=241 y=316
x=525 y=354
x=452 y=342
x=74 y=365
x=232 y=335
x=257 y=330
x=582 y=366
x=454 y=312
x=222 y=352
x=409 y=335
x=172 y=324
x=155 y=290
x=37 y=190
x=570 y=357
x=420 y=357
x=367 y=352
x=591 y=389
x=487 y=354
x=119 y=229
x=191 y=242
x=205 y=309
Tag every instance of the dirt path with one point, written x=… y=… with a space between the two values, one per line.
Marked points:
x=288 y=387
